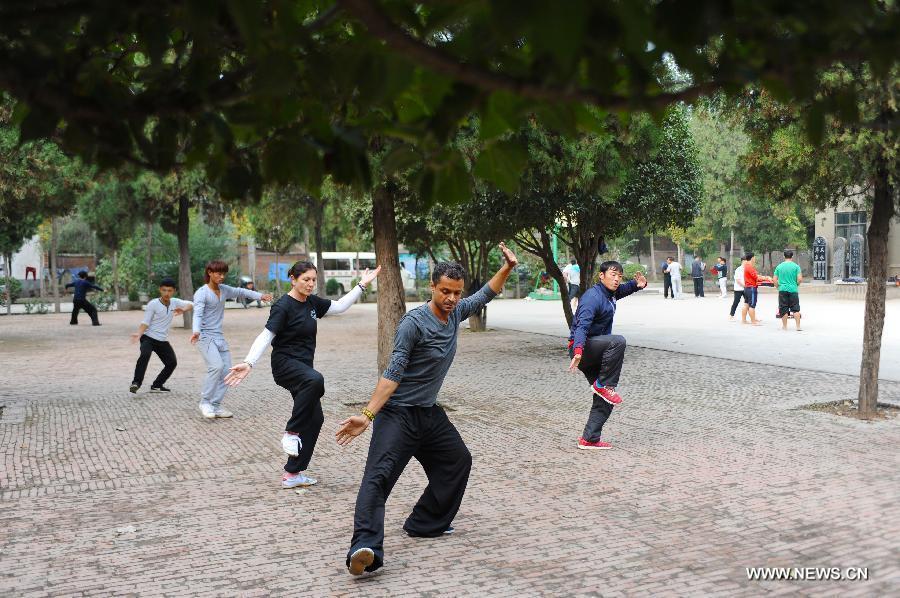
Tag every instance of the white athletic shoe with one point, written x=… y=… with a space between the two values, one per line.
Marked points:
x=207 y=410
x=292 y=480
x=219 y=412
x=291 y=444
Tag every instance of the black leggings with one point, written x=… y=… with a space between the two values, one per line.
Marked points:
x=307 y=386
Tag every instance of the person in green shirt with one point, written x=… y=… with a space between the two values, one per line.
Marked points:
x=788 y=277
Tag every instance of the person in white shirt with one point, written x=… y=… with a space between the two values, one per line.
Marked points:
x=738 y=288
x=153 y=334
x=674 y=269
x=572 y=275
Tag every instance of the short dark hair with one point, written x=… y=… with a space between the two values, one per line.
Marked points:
x=82 y=274
x=788 y=253
x=723 y=259
x=572 y=261
x=300 y=268
x=696 y=257
x=748 y=256
x=610 y=265
x=168 y=282
x=670 y=258
x=452 y=270
x=214 y=266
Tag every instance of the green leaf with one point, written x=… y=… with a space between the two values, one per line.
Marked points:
x=39 y=123
x=399 y=159
x=502 y=163
x=500 y=115
x=453 y=183
x=815 y=123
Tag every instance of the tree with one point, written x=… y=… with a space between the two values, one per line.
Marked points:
x=597 y=185
x=172 y=195
x=37 y=181
x=276 y=222
x=733 y=208
x=856 y=152
x=254 y=86
x=111 y=207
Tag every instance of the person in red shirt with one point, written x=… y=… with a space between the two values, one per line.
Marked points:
x=751 y=290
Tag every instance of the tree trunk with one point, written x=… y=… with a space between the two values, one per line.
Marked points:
x=653 y=266
x=251 y=259
x=877 y=244
x=318 y=215
x=277 y=290
x=478 y=274
x=149 y=255
x=115 y=273
x=391 y=302
x=8 y=258
x=731 y=252
x=43 y=289
x=54 y=241
x=185 y=284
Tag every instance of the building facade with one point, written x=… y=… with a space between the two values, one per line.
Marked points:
x=843 y=232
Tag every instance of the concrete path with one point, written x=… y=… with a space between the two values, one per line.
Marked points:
x=831 y=340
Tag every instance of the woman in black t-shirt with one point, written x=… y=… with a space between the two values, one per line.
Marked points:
x=291 y=330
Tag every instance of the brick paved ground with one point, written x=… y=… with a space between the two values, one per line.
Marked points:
x=714 y=470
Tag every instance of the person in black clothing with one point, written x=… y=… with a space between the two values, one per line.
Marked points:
x=667 y=279
x=291 y=330
x=82 y=286
x=697 y=274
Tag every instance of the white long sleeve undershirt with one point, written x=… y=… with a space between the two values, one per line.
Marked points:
x=266 y=337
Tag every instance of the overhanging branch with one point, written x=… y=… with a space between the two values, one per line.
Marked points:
x=433 y=58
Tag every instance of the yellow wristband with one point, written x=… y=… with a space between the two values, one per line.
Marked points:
x=369 y=415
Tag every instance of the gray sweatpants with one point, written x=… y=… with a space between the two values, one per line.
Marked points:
x=218 y=361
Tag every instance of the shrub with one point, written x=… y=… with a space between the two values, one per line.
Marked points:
x=632 y=269
x=15 y=289
x=36 y=306
x=332 y=286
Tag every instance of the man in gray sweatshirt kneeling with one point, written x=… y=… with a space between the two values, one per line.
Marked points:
x=411 y=424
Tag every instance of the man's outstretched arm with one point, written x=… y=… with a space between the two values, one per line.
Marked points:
x=357 y=424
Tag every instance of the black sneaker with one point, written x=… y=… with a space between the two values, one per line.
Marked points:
x=446 y=532
x=160 y=388
x=134 y=387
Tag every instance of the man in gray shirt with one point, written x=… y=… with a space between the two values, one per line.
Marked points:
x=411 y=424
x=153 y=334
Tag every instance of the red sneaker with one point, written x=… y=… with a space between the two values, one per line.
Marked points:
x=593 y=446
x=607 y=394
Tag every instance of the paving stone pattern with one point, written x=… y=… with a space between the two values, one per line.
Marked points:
x=714 y=469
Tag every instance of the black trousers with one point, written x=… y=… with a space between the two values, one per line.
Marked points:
x=165 y=353
x=89 y=309
x=601 y=362
x=737 y=301
x=667 y=286
x=400 y=433
x=698 y=287
x=307 y=386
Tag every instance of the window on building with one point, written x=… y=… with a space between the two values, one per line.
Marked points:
x=365 y=262
x=333 y=264
x=847 y=224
